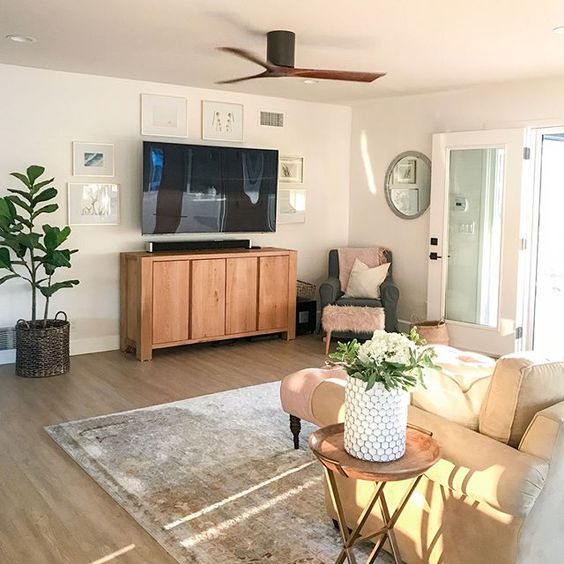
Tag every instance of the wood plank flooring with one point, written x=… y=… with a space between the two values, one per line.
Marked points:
x=51 y=511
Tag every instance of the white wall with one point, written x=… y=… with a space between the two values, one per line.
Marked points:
x=390 y=126
x=42 y=112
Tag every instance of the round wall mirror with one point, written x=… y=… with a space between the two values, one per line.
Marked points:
x=408 y=184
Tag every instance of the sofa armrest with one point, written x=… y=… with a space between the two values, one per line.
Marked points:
x=389 y=293
x=329 y=291
x=541 y=437
x=482 y=468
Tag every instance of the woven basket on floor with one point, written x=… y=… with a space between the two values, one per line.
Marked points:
x=306 y=290
x=42 y=349
x=433 y=332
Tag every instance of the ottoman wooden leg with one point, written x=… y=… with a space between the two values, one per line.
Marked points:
x=327 y=342
x=296 y=427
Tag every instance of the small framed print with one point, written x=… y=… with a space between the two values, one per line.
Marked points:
x=93 y=203
x=222 y=121
x=291 y=170
x=92 y=159
x=291 y=205
x=164 y=116
x=406 y=172
x=405 y=200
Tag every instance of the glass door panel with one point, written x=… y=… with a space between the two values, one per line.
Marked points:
x=475 y=210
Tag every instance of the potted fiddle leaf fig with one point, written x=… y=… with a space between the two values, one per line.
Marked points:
x=35 y=255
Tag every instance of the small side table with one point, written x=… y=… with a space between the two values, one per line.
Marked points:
x=422 y=451
x=306 y=316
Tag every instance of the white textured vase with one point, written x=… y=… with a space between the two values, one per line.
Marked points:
x=375 y=421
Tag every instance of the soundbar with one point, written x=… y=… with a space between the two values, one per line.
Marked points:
x=159 y=246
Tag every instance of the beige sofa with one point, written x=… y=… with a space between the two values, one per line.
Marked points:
x=497 y=494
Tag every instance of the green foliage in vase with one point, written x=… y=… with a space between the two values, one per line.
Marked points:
x=26 y=252
x=397 y=361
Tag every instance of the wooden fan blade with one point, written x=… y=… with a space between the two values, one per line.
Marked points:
x=247 y=55
x=320 y=74
x=243 y=78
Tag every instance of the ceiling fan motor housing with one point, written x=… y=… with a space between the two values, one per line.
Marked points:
x=280 y=47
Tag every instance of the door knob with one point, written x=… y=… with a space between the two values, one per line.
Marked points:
x=435 y=256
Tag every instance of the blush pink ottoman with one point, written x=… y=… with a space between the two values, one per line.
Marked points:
x=297 y=391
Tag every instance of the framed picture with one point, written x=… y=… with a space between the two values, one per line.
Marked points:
x=165 y=116
x=406 y=200
x=406 y=172
x=291 y=205
x=222 y=121
x=92 y=159
x=291 y=170
x=93 y=204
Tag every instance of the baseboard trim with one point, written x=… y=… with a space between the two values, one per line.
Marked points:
x=77 y=346
x=404 y=326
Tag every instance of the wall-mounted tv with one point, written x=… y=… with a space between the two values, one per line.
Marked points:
x=203 y=189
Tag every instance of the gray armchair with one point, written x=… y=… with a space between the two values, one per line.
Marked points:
x=330 y=292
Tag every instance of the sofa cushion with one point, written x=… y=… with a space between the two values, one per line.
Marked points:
x=521 y=385
x=457 y=390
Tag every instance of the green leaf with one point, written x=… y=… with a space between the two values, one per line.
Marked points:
x=22 y=178
x=5 y=261
x=54 y=236
x=7 y=209
x=39 y=185
x=8 y=277
x=22 y=193
x=28 y=240
x=47 y=194
x=50 y=208
x=34 y=172
x=48 y=291
x=19 y=202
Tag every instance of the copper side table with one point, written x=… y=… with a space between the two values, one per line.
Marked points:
x=422 y=451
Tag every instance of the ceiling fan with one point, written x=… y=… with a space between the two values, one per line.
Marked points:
x=280 y=49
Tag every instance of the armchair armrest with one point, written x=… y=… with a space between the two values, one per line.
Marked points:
x=329 y=291
x=482 y=468
x=389 y=293
x=541 y=437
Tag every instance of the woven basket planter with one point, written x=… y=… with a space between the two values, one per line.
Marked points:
x=42 y=349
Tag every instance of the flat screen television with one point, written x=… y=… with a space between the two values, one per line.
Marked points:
x=203 y=189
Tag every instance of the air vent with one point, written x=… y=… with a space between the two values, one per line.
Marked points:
x=7 y=338
x=272 y=119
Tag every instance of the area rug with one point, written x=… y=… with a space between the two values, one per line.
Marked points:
x=213 y=479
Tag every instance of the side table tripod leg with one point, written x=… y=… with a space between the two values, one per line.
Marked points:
x=390 y=534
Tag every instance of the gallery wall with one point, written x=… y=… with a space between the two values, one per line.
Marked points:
x=386 y=127
x=42 y=112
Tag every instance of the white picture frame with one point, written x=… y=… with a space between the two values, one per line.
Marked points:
x=291 y=170
x=164 y=116
x=92 y=159
x=93 y=203
x=291 y=205
x=222 y=121
x=405 y=172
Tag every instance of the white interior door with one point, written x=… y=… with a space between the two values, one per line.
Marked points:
x=475 y=238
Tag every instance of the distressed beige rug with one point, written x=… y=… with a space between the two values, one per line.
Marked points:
x=213 y=479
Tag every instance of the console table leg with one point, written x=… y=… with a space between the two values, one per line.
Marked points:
x=296 y=427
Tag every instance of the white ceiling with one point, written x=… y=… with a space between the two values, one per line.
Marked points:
x=423 y=45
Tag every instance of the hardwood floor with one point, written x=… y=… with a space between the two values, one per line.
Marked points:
x=53 y=512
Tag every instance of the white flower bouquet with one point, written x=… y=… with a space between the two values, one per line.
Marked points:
x=395 y=360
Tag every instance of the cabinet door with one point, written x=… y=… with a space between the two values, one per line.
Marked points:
x=241 y=298
x=208 y=298
x=170 y=301
x=273 y=293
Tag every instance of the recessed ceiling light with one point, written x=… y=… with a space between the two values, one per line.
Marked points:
x=559 y=29
x=310 y=81
x=21 y=38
